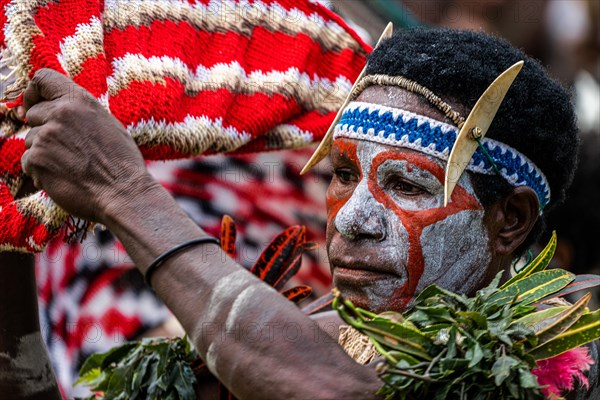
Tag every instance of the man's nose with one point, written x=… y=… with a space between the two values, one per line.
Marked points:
x=362 y=217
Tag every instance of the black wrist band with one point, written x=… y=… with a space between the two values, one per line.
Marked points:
x=164 y=256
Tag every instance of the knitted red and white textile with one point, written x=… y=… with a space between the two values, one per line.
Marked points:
x=184 y=77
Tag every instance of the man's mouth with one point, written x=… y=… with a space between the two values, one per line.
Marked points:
x=355 y=271
x=357 y=275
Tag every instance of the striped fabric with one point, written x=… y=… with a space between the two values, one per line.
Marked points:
x=185 y=78
x=91 y=298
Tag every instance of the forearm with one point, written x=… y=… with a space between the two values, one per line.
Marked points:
x=205 y=289
x=258 y=343
x=25 y=368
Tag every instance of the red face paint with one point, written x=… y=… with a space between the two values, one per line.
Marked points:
x=415 y=221
x=386 y=239
x=334 y=202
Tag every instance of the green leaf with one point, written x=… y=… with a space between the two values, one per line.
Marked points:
x=132 y=372
x=534 y=287
x=477 y=317
x=452 y=342
x=116 y=354
x=414 y=349
x=93 y=362
x=534 y=318
x=400 y=356
x=527 y=380
x=452 y=364
x=554 y=326
x=540 y=263
x=117 y=382
x=90 y=378
x=395 y=331
x=585 y=330
x=140 y=373
x=430 y=292
x=184 y=380
x=581 y=282
x=435 y=314
x=434 y=328
x=501 y=368
x=475 y=354
x=492 y=287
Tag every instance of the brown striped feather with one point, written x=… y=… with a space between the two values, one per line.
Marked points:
x=228 y=235
x=272 y=259
x=298 y=293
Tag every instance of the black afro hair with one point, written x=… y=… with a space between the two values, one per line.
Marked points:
x=536 y=117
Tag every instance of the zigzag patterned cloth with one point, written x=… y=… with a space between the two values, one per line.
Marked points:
x=185 y=78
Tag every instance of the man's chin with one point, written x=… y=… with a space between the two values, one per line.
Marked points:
x=377 y=297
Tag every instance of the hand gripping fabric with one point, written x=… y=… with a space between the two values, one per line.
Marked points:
x=184 y=77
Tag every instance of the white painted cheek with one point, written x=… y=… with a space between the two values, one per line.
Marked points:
x=395 y=247
x=456 y=252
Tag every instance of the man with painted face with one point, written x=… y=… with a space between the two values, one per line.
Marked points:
x=389 y=234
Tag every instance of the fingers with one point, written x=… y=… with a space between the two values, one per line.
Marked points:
x=46 y=85
x=39 y=114
x=33 y=132
x=20 y=113
x=28 y=169
x=25 y=162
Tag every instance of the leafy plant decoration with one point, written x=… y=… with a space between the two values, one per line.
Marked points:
x=147 y=369
x=450 y=346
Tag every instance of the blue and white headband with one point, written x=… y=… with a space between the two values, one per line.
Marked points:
x=396 y=127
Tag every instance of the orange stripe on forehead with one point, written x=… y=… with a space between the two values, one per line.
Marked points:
x=347 y=148
x=413 y=159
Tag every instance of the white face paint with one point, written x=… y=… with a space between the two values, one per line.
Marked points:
x=389 y=235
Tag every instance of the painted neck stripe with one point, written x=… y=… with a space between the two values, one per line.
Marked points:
x=396 y=127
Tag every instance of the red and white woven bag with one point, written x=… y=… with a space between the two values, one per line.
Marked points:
x=184 y=77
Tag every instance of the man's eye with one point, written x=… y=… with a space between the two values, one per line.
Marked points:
x=405 y=187
x=345 y=175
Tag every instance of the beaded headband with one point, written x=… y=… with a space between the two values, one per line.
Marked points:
x=396 y=127
x=463 y=147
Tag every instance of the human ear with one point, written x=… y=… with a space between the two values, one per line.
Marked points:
x=512 y=218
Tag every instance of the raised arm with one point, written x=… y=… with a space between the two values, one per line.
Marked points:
x=257 y=343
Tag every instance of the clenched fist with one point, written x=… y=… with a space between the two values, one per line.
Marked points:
x=77 y=152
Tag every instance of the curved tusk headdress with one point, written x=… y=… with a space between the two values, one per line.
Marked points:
x=462 y=144
x=476 y=126
x=325 y=145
